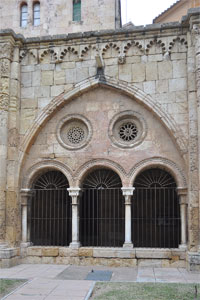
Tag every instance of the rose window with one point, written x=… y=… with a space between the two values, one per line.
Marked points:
x=128 y=132
x=75 y=135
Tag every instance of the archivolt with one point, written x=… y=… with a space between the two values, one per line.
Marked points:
x=159 y=162
x=85 y=86
x=43 y=166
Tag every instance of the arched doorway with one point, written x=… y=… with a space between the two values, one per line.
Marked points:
x=102 y=210
x=50 y=213
x=155 y=210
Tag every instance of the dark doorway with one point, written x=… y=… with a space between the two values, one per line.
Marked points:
x=102 y=210
x=155 y=210
x=50 y=213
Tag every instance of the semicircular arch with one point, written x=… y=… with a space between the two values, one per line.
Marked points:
x=92 y=165
x=40 y=168
x=162 y=163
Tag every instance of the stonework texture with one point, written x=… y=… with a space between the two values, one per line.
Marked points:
x=151 y=72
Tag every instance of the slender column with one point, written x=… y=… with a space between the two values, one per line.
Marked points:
x=74 y=193
x=128 y=193
x=5 y=62
x=182 y=193
x=25 y=205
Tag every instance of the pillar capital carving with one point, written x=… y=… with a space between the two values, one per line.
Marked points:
x=74 y=192
x=127 y=191
x=25 y=196
x=181 y=191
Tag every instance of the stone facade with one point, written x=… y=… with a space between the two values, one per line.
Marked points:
x=149 y=73
x=57 y=17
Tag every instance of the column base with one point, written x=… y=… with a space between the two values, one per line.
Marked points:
x=75 y=245
x=25 y=244
x=128 y=245
x=182 y=247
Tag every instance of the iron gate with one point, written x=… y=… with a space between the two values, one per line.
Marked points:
x=155 y=211
x=50 y=213
x=102 y=218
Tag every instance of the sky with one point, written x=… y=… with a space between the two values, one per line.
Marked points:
x=142 y=12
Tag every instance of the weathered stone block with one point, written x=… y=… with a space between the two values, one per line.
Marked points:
x=85 y=252
x=138 y=72
x=151 y=71
x=47 y=78
x=50 y=251
x=34 y=251
x=177 y=85
x=165 y=70
x=68 y=252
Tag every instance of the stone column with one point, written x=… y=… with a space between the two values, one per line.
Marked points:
x=5 y=65
x=182 y=193
x=25 y=208
x=195 y=24
x=74 y=193
x=128 y=193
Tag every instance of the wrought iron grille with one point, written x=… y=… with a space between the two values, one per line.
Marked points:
x=50 y=214
x=102 y=218
x=155 y=211
x=102 y=210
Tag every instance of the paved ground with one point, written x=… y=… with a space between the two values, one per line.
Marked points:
x=59 y=282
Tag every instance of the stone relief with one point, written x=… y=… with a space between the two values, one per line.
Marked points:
x=127 y=129
x=55 y=54
x=6 y=51
x=74 y=132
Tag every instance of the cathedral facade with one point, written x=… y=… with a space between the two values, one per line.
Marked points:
x=100 y=137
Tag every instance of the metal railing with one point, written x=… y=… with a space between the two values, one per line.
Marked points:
x=50 y=217
x=102 y=218
x=155 y=218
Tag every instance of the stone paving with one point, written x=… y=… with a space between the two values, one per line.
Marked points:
x=59 y=282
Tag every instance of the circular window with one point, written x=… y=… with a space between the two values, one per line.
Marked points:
x=127 y=129
x=74 y=132
x=75 y=135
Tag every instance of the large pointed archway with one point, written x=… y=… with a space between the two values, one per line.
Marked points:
x=84 y=86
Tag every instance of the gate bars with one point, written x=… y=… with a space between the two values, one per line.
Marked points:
x=50 y=217
x=155 y=218
x=102 y=218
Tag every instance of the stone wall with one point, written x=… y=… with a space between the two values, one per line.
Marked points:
x=56 y=17
x=151 y=73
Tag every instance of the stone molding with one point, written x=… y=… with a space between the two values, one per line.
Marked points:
x=57 y=53
x=84 y=86
x=40 y=167
x=87 y=124
x=139 y=120
x=164 y=163
x=82 y=172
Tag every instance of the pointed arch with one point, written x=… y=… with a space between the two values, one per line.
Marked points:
x=90 y=83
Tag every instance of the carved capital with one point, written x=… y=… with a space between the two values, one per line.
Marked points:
x=127 y=191
x=6 y=51
x=182 y=193
x=26 y=195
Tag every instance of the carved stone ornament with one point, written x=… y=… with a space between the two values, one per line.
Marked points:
x=74 y=132
x=127 y=129
x=5 y=51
